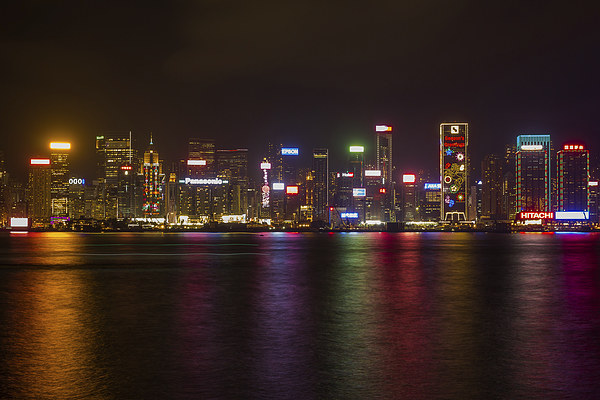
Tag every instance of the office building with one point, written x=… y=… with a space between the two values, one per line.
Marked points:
x=39 y=192
x=492 y=180
x=320 y=169
x=454 y=140
x=533 y=173
x=383 y=146
x=153 y=185
x=59 y=184
x=573 y=178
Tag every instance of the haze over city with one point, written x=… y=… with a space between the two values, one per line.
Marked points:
x=306 y=75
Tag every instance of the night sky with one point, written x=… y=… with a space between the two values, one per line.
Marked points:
x=310 y=74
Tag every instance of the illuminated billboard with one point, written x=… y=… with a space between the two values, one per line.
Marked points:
x=536 y=215
x=291 y=190
x=409 y=178
x=593 y=183
x=346 y=215
x=60 y=146
x=289 y=151
x=433 y=186
x=372 y=172
x=532 y=147
x=76 y=181
x=39 y=161
x=126 y=167
x=453 y=170
x=278 y=186
x=265 y=165
x=359 y=192
x=347 y=174
x=196 y=162
x=203 y=181
x=383 y=128
x=572 y=215
x=357 y=149
x=19 y=222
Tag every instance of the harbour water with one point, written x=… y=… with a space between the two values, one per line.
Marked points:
x=303 y=316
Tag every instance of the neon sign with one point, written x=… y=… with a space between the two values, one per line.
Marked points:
x=196 y=162
x=357 y=149
x=532 y=147
x=433 y=186
x=574 y=215
x=278 y=186
x=347 y=215
x=60 y=146
x=347 y=174
x=409 y=178
x=536 y=215
x=359 y=192
x=572 y=147
x=265 y=165
x=203 y=181
x=291 y=190
x=372 y=172
x=19 y=222
x=289 y=151
x=383 y=128
x=76 y=181
x=39 y=161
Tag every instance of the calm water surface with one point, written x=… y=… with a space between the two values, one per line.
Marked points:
x=300 y=316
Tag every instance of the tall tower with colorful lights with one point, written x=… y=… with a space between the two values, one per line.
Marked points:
x=153 y=193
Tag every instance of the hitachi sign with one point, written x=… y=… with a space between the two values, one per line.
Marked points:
x=536 y=215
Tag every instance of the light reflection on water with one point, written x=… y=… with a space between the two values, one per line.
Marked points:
x=281 y=315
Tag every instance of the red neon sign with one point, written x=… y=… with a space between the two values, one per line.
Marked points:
x=382 y=190
x=126 y=167
x=536 y=215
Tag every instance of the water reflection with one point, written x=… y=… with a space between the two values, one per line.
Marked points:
x=373 y=315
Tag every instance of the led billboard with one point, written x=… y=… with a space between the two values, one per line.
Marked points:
x=372 y=172
x=346 y=215
x=359 y=192
x=409 y=178
x=289 y=151
x=291 y=190
x=453 y=159
x=60 y=146
x=572 y=215
x=432 y=186
x=278 y=186
x=357 y=149
x=196 y=162
x=39 y=161
x=265 y=165
x=19 y=222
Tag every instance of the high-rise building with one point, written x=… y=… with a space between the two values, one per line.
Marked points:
x=454 y=140
x=59 y=185
x=116 y=161
x=533 y=173
x=430 y=204
x=573 y=178
x=383 y=145
x=409 y=198
x=492 y=198
x=202 y=154
x=232 y=166
x=320 y=169
x=39 y=192
x=153 y=188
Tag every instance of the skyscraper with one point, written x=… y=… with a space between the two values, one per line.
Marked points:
x=533 y=173
x=454 y=139
x=383 y=145
x=59 y=185
x=492 y=172
x=232 y=166
x=320 y=183
x=39 y=193
x=201 y=158
x=153 y=196
x=116 y=168
x=573 y=178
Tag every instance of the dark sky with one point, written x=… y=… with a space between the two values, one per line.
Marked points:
x=309 y=73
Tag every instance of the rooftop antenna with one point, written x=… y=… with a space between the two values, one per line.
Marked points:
x=151 y=139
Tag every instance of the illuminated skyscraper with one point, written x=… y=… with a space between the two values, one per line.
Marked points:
x=59 y=185
x=320 y=184
x=232 y=166
x=383 y=145
x=201 y=158
x=492 y=179
x=152 y=171
x=39 y=193
x=454 y=140
x=116 y=167
x=533 y=173
x=573 y=178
